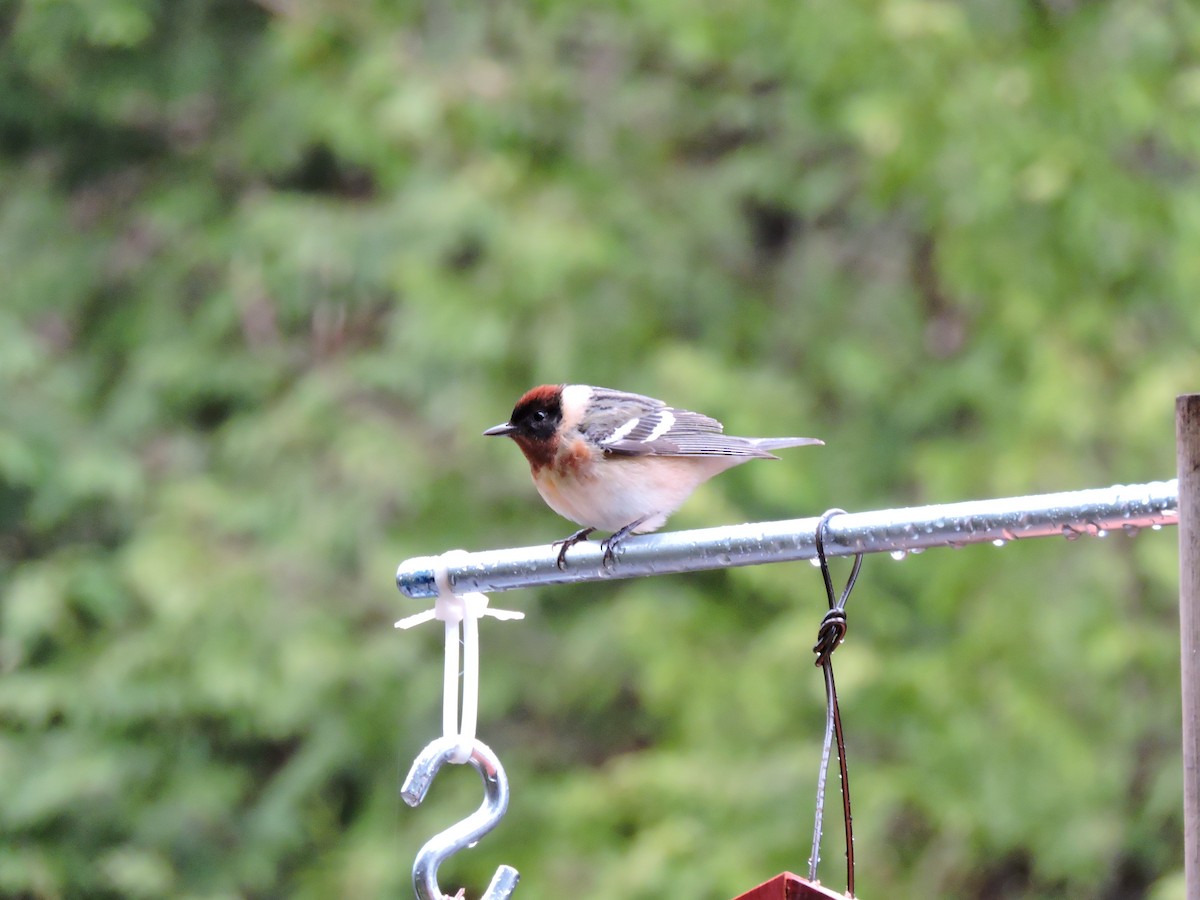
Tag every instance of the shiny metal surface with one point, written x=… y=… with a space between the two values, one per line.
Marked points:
x=1066 y=515
x=466 y=833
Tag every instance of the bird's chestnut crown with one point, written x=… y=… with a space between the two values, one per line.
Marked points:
x=538 y=414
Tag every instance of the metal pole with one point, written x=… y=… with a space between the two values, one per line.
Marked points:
x=1187 y=446
x=1069 y=515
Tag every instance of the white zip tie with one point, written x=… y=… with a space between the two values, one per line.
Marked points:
x=461 y=614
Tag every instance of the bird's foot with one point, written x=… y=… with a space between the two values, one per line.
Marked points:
x=609 y=544
x=568 y=542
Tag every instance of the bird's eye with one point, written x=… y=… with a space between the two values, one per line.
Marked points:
x=540 y=415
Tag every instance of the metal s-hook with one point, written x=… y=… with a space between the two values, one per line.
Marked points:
x=462 y=834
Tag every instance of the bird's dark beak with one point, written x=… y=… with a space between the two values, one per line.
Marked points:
x=501 y=430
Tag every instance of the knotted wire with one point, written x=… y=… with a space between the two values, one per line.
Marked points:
x=831 y=633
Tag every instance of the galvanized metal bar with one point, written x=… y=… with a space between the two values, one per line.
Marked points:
x=1071 y=514
x=1187 y=444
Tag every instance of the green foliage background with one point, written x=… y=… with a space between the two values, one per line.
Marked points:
x=268 y=271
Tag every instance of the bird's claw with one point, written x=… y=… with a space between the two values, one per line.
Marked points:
x=567 y=543
x=610 y=543
x=609 y=546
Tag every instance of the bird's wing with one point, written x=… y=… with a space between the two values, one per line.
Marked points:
x=633 y=425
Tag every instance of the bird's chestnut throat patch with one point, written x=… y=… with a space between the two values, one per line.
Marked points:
x=539 y=453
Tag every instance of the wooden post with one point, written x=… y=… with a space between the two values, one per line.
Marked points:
x=1187 y=446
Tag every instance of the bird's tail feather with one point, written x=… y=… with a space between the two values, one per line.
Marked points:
x=783 y=443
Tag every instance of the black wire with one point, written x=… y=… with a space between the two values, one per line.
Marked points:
x=839 y=603
x=831 y=633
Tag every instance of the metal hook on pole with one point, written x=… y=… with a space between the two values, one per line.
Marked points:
x=462 y=834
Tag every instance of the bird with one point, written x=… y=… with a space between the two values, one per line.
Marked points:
x=614 y=461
